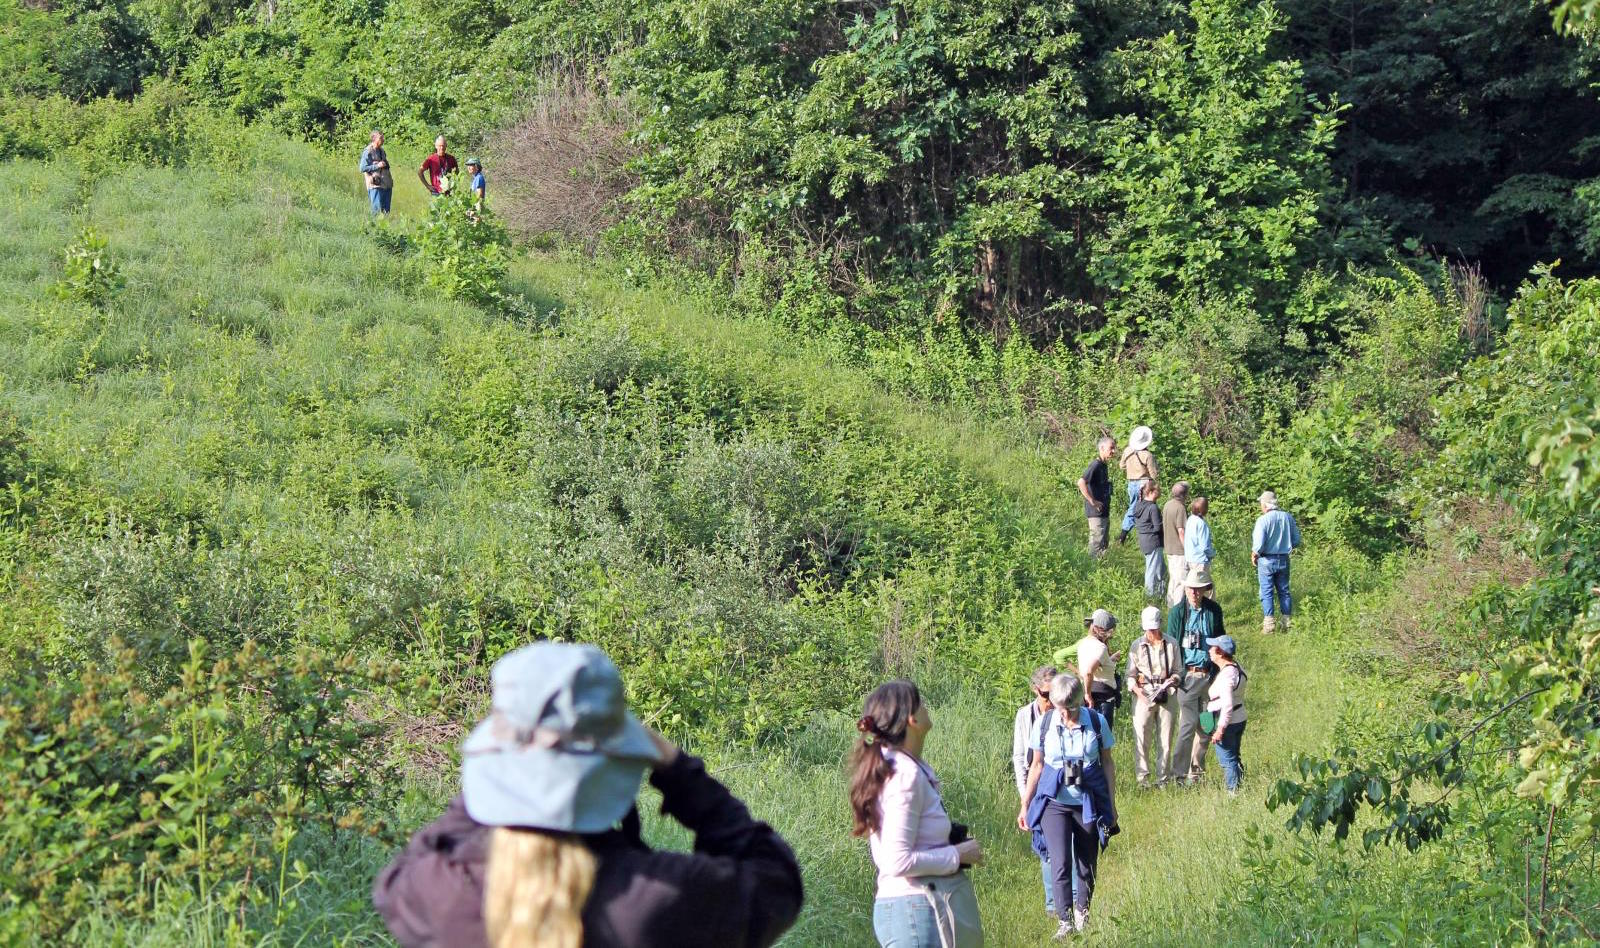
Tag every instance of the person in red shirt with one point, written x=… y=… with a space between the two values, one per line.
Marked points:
x=436 y=168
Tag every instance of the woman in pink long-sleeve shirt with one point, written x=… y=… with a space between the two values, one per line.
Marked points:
x=923 y=897
x=1226 y=701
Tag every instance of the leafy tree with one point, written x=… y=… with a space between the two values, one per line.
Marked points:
x=1469 y=123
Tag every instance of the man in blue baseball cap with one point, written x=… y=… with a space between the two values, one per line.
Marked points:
x=543 y=844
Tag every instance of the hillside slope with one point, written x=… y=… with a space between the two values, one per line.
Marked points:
x=276 y=432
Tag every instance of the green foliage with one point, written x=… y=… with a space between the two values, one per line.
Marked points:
x=90 y=275
x=1519 y=730
x=81 y=49
x=115 y=791
x=465 y=249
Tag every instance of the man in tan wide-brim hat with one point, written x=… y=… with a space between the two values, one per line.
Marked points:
x=1139 y=464
x=1193 y=620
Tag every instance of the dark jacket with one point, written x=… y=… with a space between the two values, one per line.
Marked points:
x=740 y=886
x=1147 y=520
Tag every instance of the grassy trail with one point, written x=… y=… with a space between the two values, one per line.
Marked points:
x=1165 y=877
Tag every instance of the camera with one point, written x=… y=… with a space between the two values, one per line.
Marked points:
x=959 y=833
x=1158 y=694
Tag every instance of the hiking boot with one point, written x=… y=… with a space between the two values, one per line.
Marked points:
x=1268 y=625
x=1080 y=918
x=1122 y=538
x=1283 y=624
x=1064 y=930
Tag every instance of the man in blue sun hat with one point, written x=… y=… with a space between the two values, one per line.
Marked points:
x=545 y=836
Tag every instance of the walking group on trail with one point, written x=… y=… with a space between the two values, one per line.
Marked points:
x=543 y=844
x=436 y=173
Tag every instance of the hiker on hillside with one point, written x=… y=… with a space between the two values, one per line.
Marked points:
x=1275 y=536
x=1021 y=757
x=1070 y=797
x=479 y=184
x=1095 y=486
x=375 y=172
x=1190 y=623
x=1156 y=668
x=1139 y=465
x=1147 y=521
x=1173 y=515
x=1198 y=552
x=923 y=895
x=1097 y=664
x=437 y=168
x=1226 y=706
x=531 y=851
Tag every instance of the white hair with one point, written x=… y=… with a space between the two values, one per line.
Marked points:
x=1065 y=689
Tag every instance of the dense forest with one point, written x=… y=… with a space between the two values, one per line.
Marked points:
x=770 y=367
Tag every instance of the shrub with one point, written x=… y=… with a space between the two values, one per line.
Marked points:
x=114 y=790
x=90 y=275
x=466 y=250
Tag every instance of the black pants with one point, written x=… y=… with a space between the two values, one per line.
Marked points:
x=1105 y=701
x=1074 y=851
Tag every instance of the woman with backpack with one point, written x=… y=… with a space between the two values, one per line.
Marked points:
x=924 y=897
x=1069 y=797
x=1226 y=706
x=543 y=847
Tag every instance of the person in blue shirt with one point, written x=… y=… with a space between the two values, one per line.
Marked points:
x=1074 y=744
x=1197 y=549
x=375 y=172
x=479 y=184
x=1276 y=535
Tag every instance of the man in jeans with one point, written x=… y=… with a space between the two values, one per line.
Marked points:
x=1173 y=515
x=1156 y=669
x=1022 y=729
x=1276 y=535
x=1095 y=486
x=1191 y=622
x=375 y=171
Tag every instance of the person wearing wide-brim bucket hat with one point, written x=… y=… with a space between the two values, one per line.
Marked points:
x=1191 y=622
x=543 y=844
x=1139 y=465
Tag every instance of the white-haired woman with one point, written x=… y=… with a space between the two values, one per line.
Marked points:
x=1069 y=797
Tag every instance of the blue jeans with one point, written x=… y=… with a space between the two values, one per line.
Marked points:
x=1049 y=886
x=905 y=921
x=380 y=199
x=1272 y=572
x=1228 y=754
x=1155 y=574
x=1134 y=488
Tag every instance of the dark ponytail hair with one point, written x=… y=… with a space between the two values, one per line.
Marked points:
x=883 y=721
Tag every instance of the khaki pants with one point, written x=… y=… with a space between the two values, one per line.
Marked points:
x=1177 y=569
x=1164 y=716
x=1097 y=535
x=1192 y=741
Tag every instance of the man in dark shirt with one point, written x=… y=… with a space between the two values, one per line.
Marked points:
x=1095 y=486
x=437 y=168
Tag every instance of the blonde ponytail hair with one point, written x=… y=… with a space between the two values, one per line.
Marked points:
x=536 y=889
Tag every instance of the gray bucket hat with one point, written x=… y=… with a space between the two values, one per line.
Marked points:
x=559 y=749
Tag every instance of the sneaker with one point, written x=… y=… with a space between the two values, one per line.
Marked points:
x=1268 y=625
x=1064 y=930
x=1081 y=919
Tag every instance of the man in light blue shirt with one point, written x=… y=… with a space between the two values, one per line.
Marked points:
x=1276 y=535
x=1197 y=549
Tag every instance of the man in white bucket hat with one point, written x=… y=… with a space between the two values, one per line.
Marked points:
x=1139 y=464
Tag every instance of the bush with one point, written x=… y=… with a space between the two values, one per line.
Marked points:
x=466 y=250
x=90 y=275
x=114 y=790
